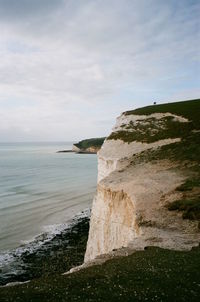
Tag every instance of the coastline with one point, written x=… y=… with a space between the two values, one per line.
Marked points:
x=77 y=152
x=41 y=190
x=86 y=146
x=39 y=258
x=65 y=151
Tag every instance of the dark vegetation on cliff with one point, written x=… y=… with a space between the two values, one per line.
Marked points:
x=92 y=142
x=186 y=153
x=151 y=130
x=188 y=109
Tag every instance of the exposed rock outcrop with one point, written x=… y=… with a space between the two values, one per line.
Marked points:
x=129 y=209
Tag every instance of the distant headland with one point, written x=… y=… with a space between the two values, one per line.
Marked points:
x=86 y=146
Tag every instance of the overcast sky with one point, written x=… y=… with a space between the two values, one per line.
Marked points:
x=69 y=67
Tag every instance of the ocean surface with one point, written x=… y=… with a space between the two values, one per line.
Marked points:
x=41 y=191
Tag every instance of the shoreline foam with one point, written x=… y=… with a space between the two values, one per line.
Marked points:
x=17 y=262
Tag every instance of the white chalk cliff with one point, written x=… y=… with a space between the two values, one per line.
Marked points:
x=129 y=209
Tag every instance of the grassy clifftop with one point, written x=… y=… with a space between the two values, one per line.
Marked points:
x=188 y=109
x=186 y=153
x=150 y=129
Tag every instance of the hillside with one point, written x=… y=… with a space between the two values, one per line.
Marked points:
x=151 y=275
x=145 y=221
x=148 y=181
x=186 y=153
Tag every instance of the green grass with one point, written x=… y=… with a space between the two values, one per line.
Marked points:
x=188 y=109
x=151 y=275
x=189 y=207
x=185 y=154
x=151 y=130
x=92 y=142
x=189 y=184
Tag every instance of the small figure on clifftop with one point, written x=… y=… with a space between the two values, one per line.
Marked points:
x=154 y=103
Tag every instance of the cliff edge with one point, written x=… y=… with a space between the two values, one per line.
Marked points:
x=148 y=181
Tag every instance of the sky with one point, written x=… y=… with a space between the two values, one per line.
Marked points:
x=69 y=68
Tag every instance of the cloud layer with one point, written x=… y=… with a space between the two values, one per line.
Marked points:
x=69 y=67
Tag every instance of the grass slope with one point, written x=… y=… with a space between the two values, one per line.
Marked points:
x=186 y=153
x=151 y=275
x=151 y=130
x=188 y=109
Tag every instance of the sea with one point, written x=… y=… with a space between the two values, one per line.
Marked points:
x=41 y=194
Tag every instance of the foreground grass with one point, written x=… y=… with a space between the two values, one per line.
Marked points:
x=151 y=275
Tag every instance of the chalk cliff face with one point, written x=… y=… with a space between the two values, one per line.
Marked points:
x=129 y=209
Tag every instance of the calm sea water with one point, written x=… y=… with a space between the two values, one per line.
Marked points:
x=41 y=190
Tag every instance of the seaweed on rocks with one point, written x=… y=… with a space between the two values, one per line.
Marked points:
x=65 y=250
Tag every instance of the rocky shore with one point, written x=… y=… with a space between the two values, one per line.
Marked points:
x=61 y=253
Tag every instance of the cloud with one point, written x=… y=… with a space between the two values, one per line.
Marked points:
x=95 y=57
x=26 y=9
